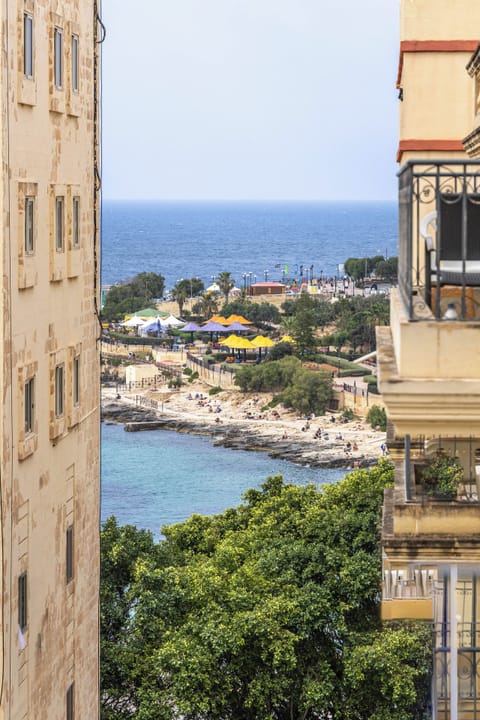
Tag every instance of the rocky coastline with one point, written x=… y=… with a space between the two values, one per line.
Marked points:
x=237 y=435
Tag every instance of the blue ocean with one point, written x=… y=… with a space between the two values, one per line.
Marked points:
x=152 y=479
x=182 y=240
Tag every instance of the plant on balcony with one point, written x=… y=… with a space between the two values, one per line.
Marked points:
x=441 y=477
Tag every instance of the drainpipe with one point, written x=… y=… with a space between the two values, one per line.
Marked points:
x=407 y=465
x=453 y=645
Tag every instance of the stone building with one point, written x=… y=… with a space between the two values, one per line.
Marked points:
x=49 y=470
x=429 y=357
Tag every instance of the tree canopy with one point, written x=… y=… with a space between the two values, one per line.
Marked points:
x=268 y=611
x=359 y=268
x=132 y=295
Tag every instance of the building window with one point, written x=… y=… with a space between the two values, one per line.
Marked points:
x=59 y=224
x=76 y=380
x=59 y=390
x=70 y=703
x=58 y=57
x=76 y=222
x=69 y=553
x=75 y=63
x=28 y=45
x=29 y=210
x=22 y=602
x=29 y=397
x=29 y=228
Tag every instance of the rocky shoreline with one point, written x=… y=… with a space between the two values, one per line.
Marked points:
x=237 y=435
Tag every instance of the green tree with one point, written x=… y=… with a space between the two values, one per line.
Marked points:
x=308 y=392
x=387 y=269
x=190 y=287
x=121 y=549
x=132 y=295
x=303 y=325
x=269 y=611
x=226 y=283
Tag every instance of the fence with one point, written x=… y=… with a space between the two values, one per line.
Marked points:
x=212 y=375
x=359 y=399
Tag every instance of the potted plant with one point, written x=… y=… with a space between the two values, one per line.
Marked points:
x=441 y=477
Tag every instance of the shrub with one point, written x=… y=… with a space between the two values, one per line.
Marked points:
x=308 y=392
x=175 y=382
x=215 y=390
x=442 y=477
x=187 y=371
x=348 y=414
x=280 y=350
x=377 y=417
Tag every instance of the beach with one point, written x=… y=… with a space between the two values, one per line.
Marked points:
x=242 y=421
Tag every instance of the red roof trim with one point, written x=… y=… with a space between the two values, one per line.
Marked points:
x=433 y=46
x=435 y=145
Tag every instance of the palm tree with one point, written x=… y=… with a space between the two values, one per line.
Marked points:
x=207 y=305
x=180 y=295
x=225 y=282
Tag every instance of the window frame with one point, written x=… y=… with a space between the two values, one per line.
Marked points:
x=75 y=221
x=58 y=57
x=59 y=390
x=69 y=557
x=29 y=225
x=28 y=59
x=70 y=702
x=74 y=67
x=29 y=405
x=59 y=223
x=76 y=381
x=23 y=601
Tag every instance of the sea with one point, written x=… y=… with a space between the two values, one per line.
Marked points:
x=156 y=478
x=273 y=240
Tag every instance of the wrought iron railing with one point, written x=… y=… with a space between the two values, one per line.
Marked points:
x=439 y=240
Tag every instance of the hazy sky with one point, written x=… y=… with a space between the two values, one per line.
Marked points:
x=250 y=99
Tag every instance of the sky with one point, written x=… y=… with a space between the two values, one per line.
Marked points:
x=250 y=100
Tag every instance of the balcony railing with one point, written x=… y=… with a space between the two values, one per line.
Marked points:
x=439 y=240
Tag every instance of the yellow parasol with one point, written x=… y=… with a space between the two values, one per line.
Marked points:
x=218 y=319
x=237 y=343
x=287 y=338
x=262 y=342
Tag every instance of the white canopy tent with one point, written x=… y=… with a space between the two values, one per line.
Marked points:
x=133 y=322
x=172 y=321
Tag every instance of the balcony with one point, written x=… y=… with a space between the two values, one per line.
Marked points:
x=439 y=240
x=429 y=357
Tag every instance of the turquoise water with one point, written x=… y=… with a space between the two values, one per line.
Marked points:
x=159 y=477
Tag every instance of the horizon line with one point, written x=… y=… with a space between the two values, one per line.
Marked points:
x=249 y=200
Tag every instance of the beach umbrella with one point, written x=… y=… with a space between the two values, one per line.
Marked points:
x=262 y=342
x=211 y=326
x=236 y=327
x=191 y=327
x=287 y=338
x=238 y=318
x=234 y=342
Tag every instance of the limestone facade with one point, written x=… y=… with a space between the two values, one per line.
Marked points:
x=49 y=468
